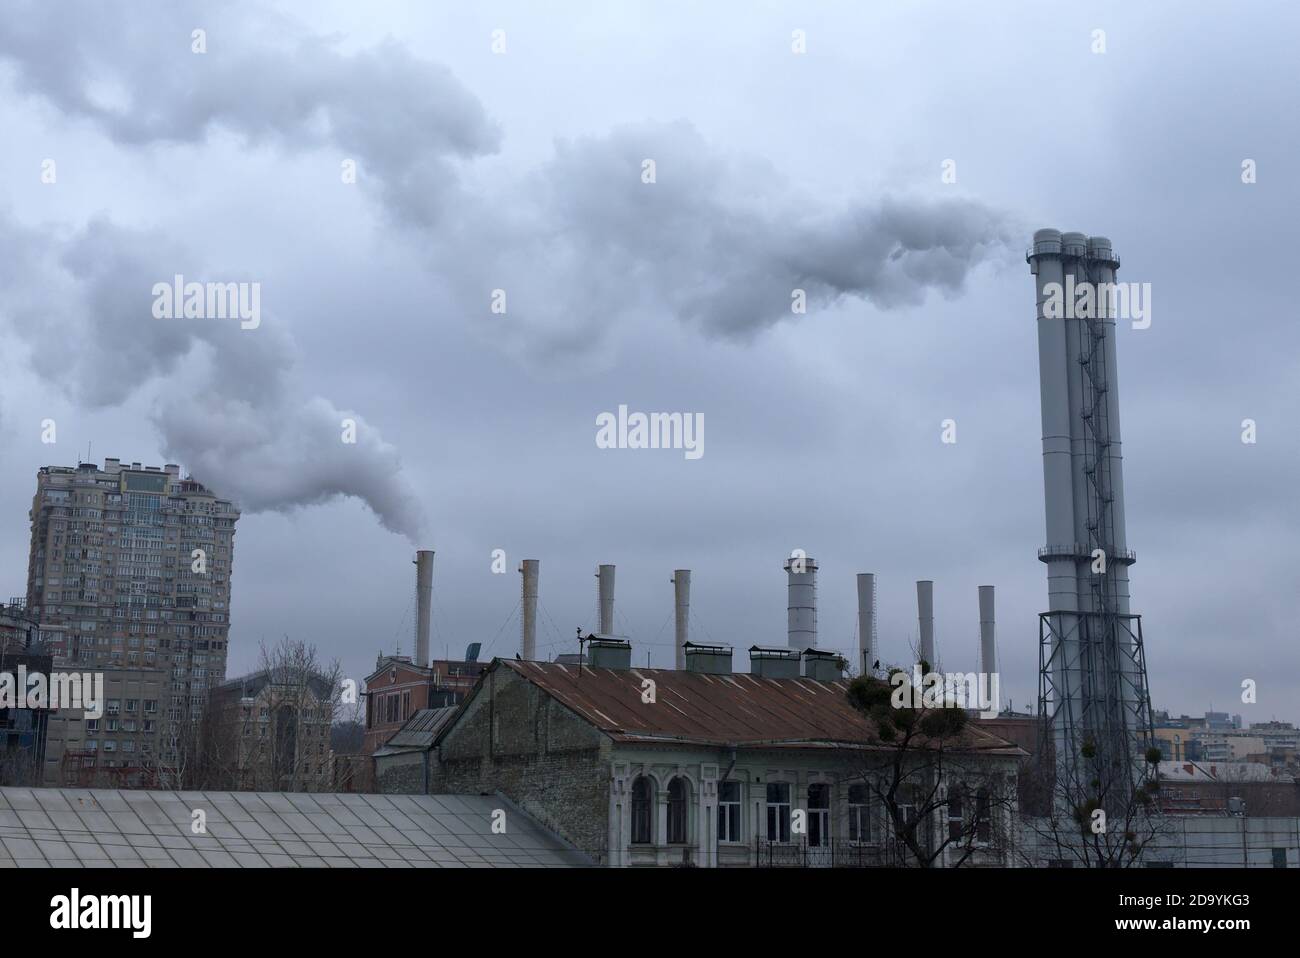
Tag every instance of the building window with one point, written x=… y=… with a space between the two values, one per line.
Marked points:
x=956 y=823
x=819 y=815
x=859 y=814
x=678 y=811
x=778 y=812
x=642 y=810
x=983 y=817
x=907 y=804
x=728 y=811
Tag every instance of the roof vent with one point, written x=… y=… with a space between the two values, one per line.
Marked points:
x=608 y=652
x=769 y=663
x=822 y=666
x=709 y=659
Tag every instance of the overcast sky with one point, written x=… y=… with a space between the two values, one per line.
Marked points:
x=522 y=171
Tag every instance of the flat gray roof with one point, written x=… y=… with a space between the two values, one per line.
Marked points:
x=106 y=828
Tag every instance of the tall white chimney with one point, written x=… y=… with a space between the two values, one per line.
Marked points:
x=605 y=594
x=801 y=607
x=867 y=651
x=925 y=619
x=528 y=610
x=988 y=648
x=682 y=596
x=423 y=599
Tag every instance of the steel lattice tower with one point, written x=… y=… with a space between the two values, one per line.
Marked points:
x=1092 y=669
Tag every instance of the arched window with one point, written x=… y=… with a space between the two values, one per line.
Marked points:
x=642 y=810
x=678 y=811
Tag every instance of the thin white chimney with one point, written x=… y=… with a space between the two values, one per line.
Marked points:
x=988 y=646
x=423 y=600
x=925 y=619
x=801 y=607
x=868 y=652
x=528 y=610
x=605 y=595
x=682 y=595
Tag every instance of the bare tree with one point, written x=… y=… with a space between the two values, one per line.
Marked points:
x=1095 y=814
x=947 y=799
x=271 y=729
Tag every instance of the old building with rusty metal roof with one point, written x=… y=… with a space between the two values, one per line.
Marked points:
x=700 y=766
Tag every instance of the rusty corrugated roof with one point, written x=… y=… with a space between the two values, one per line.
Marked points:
x=694 y=707
x=422 y=728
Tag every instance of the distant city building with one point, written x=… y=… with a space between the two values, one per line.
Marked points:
x=397 y=689
x=23 y=730
x=19 y=629
x=121 y=748
x=1172 y=742
x=130 y=569
x=270 y=731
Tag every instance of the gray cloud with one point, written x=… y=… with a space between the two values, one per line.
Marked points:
x=263 y=78
x=718 y=241
x=581 y=244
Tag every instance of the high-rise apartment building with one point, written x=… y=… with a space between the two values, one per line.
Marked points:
x=130 y=570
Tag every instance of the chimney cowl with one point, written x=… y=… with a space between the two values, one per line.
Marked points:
x=608 y=651
x=708 y=659
x=821 y=665
x=774 y=663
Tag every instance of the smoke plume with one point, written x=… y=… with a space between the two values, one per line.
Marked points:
x=589 y=240
x=229 y=404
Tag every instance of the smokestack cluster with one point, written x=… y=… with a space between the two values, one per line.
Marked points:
x=423 y=605
x=925 y=619
x=682 y=603
x=530 y=568
x=801 y=608
x=605 y=596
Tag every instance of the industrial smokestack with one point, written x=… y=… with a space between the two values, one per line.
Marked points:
x=988 y=649
x=423 y=599
x=682 y=596
x=867 y=653
x=801 y=607
x=925 y=618
x=1093 y=681
x=605 y=595
x=528 y=610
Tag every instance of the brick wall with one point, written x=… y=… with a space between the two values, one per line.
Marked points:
x=514 y=739
x=405 y=779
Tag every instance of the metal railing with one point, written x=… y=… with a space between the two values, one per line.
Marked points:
x=829 y=853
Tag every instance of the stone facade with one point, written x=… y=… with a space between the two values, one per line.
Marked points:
x=515 y=739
